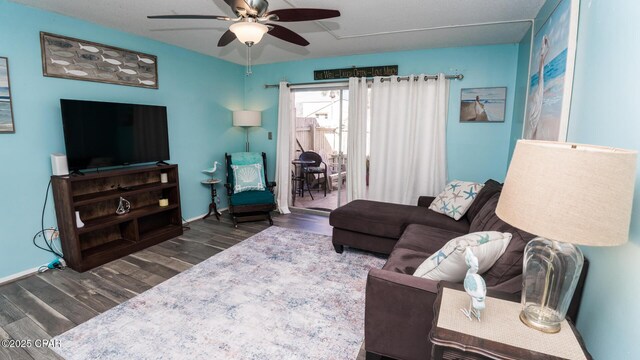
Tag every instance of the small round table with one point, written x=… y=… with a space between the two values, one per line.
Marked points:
x=214 y=194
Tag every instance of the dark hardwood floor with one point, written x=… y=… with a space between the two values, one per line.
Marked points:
x=45 y=305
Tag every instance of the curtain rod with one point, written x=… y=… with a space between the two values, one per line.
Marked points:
x=401 y=78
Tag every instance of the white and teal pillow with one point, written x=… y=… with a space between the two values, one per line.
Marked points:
x=447 y=264
x=456 y=198
x=248 y=177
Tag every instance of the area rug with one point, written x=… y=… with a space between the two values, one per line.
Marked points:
x=281 y=294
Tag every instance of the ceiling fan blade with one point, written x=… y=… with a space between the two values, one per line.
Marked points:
x=226 y=38
x=209 y=17
x=285 y=34
x=287 y=15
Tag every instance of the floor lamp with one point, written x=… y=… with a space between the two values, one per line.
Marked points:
x=247 y=119
x=567 y=194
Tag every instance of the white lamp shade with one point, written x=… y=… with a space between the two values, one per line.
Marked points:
x=249 y=32
x=579 y=194
x=247 y=118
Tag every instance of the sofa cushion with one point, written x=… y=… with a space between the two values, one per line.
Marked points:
x=449 y=262
x=389 y=220
x=252 y=198
x=510 y=263
x=415 y=245
x=405 y=261
x=491 y=187
x=424 y=238
x=455 y=199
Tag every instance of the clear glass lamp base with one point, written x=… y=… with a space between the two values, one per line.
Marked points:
x=550 y=275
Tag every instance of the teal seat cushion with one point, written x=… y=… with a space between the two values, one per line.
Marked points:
x=252 y=198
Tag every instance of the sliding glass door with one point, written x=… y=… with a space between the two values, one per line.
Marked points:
x=320 y=158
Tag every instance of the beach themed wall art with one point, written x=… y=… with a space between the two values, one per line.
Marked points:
x=6 y=108
x=551 y=74
x=70 y=58
x=483 y=104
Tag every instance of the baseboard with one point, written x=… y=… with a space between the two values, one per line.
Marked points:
x=18 y=276
x=203 y=215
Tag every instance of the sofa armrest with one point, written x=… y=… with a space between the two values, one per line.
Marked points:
x=425 y=201
x=399 y=314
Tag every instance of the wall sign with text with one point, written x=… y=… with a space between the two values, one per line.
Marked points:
x=369 y=71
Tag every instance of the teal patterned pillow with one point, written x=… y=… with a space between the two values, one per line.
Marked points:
x=456 y=198
x=248 y=177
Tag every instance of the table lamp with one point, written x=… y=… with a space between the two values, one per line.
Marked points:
x=567 y=194
x=247 y=119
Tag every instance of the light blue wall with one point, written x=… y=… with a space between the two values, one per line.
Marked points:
x=605 y=92
x=475 y=151
x=522 y=82
x=198 y=91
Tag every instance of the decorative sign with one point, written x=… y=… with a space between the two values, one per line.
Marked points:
x=370 y=71
x=76 y=59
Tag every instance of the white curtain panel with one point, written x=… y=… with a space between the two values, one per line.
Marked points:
x=284 y=148
x=357 y=139
x=408 y=135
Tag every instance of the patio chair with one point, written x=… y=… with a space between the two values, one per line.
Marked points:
x=250 y=192
x=314 y=169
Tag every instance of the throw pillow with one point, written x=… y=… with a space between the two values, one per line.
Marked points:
x=248 y=177
x=448 y=263
x=456 y=198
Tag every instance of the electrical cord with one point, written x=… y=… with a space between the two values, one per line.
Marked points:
x=186 y=225
x=49 y=244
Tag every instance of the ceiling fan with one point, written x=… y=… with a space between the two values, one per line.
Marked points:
x=253 y=19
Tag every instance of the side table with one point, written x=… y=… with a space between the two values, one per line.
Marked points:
x=500 y=334
x=214 y=194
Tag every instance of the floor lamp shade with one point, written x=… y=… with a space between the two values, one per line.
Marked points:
x=247 y=118
x=567 y=194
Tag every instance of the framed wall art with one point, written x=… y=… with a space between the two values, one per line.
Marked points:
x=483 y=104
x=551 y=74
x=6 y=106
x=70 y=58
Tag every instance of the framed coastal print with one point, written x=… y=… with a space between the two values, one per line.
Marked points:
x=483 y=104
x=70 y=58
x=6 y=107
x=551 y=74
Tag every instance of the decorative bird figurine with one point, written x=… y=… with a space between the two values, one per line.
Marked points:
x=212 y=170
x=475 y=286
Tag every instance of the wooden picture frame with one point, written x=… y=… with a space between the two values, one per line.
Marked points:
x=483 y=105
x=76 y=59
x=7 y=125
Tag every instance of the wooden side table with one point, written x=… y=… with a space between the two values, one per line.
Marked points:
x=500 y=334
x=214 y=194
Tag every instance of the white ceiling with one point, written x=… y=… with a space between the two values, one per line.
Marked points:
x=366 y=26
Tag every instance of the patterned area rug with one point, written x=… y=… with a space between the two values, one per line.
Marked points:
x=281 y=294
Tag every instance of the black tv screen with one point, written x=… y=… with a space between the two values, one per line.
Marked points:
x=101 y=134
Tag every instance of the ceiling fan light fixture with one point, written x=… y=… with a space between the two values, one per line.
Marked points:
x=249 y=32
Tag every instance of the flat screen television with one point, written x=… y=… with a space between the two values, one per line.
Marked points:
x=102 y=134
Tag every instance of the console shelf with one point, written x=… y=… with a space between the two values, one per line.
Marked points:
x=107 y=236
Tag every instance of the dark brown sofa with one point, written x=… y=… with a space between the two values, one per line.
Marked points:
x=399 y=306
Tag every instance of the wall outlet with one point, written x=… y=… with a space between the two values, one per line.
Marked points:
x=51 y=233
x=270 y=135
